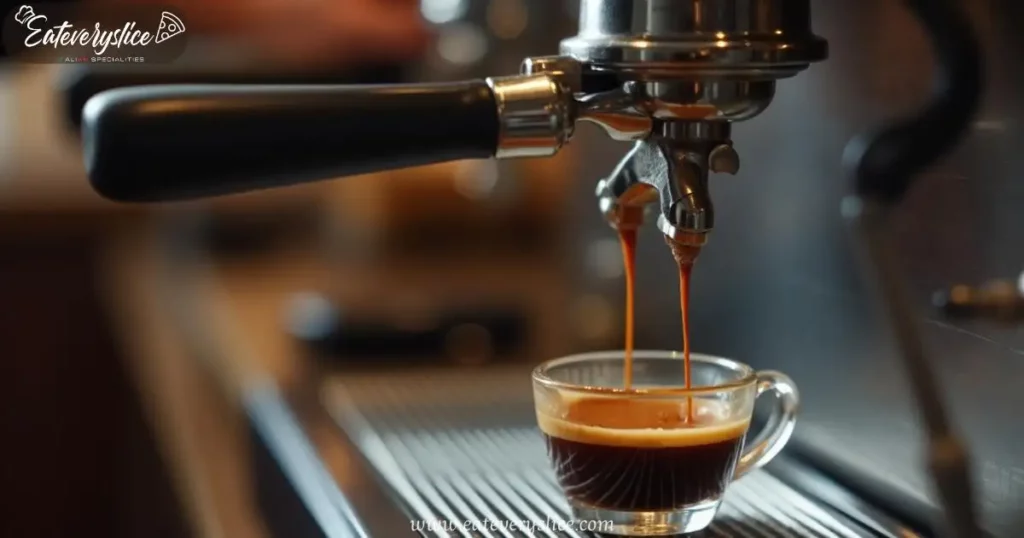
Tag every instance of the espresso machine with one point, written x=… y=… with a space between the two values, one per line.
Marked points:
x=669 y=77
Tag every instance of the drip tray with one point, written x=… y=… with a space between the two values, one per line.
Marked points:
x=463 y=446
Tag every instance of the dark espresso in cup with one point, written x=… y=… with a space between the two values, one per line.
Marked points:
x=636 y=454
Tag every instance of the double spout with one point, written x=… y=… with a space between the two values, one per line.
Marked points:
x=670 y=170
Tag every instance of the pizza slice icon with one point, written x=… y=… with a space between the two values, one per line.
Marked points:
x=170 y=26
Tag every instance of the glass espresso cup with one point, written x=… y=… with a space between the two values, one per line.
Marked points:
x=655 y=459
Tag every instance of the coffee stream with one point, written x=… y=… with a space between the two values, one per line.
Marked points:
x=685 y=255
x=684 y=307
x=627 y=237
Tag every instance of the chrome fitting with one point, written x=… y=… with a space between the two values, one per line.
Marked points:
x=534 y=114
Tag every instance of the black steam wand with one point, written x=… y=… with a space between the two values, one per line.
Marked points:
x=884 y=166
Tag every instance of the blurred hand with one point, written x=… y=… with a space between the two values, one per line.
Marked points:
x=312 y=32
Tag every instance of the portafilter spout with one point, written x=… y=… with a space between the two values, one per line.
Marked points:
x=669 y=76
x=694 y=68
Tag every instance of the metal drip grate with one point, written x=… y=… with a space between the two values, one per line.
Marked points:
x=463 y=446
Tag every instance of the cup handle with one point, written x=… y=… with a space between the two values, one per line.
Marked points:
x=776 y=433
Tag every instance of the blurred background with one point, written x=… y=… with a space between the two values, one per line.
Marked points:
x=130 y=336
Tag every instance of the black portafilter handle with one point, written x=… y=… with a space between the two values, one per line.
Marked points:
x=77 y=83
x=183 y=142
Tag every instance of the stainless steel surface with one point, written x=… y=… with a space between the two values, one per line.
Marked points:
x=617 y=113
x=695 y=99
x=462 y=445
x=565 y=69
x=615 y=110
x=884 y=165
x=672 y=164
x=698 y=60
x=679 y=73
x=827 y=492
x=533 y=113
x=723 y=159
x=752 y=39
x=282 y=433
x=946 y=454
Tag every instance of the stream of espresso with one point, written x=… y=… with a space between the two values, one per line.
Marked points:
x=627 y=237
x=685 y=255
x=684 y=307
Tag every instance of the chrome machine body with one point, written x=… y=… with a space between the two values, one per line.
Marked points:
x=669 y=76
